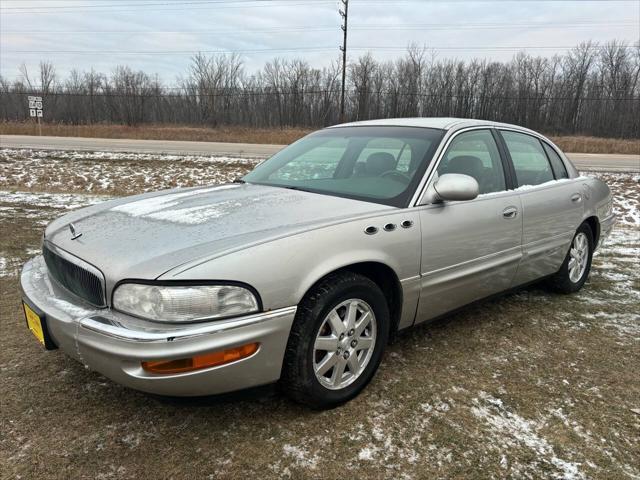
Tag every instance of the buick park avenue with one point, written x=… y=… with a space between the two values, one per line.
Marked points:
x=301 y=271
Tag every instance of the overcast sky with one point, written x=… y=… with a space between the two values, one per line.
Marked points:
x=159 y=36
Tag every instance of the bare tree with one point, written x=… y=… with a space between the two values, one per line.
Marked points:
x=592 y=89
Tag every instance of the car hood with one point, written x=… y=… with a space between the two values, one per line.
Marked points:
x=146 y=235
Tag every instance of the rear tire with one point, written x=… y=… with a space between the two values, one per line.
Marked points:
x=336 y=342
x=577 y=264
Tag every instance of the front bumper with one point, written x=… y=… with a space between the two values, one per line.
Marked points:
x=115 y=344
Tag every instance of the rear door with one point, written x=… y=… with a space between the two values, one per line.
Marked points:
x=470 y=249
x=552 y=204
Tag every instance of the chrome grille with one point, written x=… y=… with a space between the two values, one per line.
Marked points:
x=74 y=278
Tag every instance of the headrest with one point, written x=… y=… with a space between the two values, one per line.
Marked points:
x=380 y=162
x=466 y=164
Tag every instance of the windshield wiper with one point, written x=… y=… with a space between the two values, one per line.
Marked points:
x=239 y=180
x=291 y=187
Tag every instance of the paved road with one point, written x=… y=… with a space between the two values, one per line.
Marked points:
x=138 y=146
x=611 y=162
x=584 y=161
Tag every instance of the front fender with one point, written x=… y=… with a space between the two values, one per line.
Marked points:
x=283 y=270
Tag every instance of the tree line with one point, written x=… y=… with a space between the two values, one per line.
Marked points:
x=591 y=89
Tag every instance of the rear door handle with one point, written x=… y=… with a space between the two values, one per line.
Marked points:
x=576 y=197
x=510 y=212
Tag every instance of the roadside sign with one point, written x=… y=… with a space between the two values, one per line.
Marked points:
x=35 y=109
x=35 y=106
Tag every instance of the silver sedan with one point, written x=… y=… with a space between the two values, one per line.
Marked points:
x=301 y=271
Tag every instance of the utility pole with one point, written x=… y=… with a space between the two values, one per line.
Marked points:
x=345 y=17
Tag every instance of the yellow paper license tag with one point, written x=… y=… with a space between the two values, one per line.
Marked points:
x=34 y=323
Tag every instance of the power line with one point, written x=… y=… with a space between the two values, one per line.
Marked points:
x=147 y=4
x=307 y=49
x=169 y=52
x=419 y=26
x=183 y=6
x=227 y=31
x=205 y=2
x=302 y=92
x=119 y=5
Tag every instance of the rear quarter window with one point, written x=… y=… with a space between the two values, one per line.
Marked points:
x=557 y=164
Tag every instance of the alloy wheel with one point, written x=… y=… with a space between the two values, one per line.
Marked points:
x=578 y=257
x=344 y=344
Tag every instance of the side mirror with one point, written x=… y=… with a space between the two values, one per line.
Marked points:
x=453 y=186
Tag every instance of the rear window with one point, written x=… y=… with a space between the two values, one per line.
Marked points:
x=557 y=164
x=529 y=159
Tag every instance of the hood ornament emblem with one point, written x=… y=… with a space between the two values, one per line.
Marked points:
x=74 y=235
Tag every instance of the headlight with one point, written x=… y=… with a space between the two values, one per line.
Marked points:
x=182 y=303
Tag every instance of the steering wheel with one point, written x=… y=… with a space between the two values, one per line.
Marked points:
x=403 y=177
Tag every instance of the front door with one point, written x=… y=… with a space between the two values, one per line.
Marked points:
x=470 y=249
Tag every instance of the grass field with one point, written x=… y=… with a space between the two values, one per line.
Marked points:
x=274 y=136
x=284 y=136
x=530 y=385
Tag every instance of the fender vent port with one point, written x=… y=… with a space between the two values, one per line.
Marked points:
x=389 y=227
x=371 y=230
x=406 y=224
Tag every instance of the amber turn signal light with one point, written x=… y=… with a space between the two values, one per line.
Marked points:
x=198 y=362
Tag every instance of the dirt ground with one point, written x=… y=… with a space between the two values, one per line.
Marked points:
x=530 y=385
x=277 y=136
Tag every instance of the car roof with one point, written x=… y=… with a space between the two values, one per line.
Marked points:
x=443 y=123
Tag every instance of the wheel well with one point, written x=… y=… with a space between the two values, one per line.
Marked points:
x=594 y=224
x=383 y=276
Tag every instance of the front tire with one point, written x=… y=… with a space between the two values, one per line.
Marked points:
x=336 y=342
x=577 y=264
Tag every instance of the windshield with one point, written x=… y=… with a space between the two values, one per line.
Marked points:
x=376 y=164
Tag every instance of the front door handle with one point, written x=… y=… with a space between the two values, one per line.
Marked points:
x=510 y=212
x=576 y=197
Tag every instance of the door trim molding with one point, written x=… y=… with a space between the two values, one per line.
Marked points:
x=509 y=253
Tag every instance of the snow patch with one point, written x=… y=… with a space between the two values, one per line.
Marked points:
x=196 y=215
x=301 y=456
x=367 y=453
x=3 y=268
x=63 y=201
x=148 y=206
x=514 y=429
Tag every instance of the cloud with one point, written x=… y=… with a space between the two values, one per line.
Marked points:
x=448 y=27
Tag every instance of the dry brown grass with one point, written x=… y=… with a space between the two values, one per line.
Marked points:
x=582 y=144
x=277 y=136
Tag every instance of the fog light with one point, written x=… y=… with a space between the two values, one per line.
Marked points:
x=198 y=362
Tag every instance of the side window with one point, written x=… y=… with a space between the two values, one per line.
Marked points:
x=475 y=154
x=529 y=160
x=320 y=162
x=557 y=164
